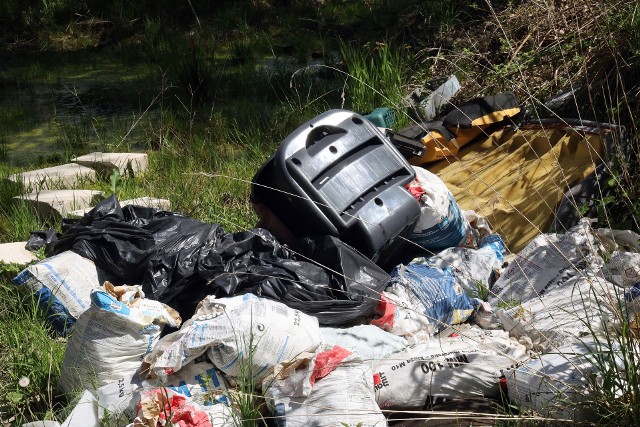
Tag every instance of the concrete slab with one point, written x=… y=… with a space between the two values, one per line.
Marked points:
x=104 y=163
x=15 y=253
x=58 y=203
x=149 y=202
x=69 y=175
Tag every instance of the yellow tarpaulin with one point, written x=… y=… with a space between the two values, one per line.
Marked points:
x=516 y=178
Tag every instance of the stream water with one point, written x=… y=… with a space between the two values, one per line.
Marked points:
x=51 y=108
x=55 y=107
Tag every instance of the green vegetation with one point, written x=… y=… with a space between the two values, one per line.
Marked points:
x=199 y=85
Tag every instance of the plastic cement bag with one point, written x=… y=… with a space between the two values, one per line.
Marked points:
x=117 y=401
x=549 y=260
x=367 y=341
x=402 y=314
x=63 y=285
x=472 y=267
x=227 y=328
x=623 y=268
x=441 y=224
x=110 y=340
x=574 y=309
x=430 y=293
x=555 y=383
x=343 y=397
x=456 y=367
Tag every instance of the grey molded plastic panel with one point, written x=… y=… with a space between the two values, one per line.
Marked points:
x=338 y=174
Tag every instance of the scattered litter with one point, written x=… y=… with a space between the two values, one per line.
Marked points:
x=255 y=303
x=110 y=339
x=162 y=406
x=63 y=285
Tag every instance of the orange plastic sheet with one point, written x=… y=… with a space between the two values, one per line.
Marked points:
x=517 y=177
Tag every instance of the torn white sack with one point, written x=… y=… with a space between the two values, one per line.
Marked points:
x=343 y=397
x=441 y=223
x=117 y=402
x=555 y=384
x=577 y=308
x=230 y=329
x=546 y=262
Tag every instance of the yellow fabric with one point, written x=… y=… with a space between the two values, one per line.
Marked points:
x=517 y=178
x=495 y=116
x=436 y=148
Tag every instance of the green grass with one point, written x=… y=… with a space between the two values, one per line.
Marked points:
x=29 y=351
x=376 y=75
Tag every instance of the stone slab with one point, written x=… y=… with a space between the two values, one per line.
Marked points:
x=61 y=202
x=149 y=202
x=15 y=253
x=104 y=163
x=69 y=175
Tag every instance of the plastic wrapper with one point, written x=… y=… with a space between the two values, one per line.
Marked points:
x=179 y=261
x=441 y=224
x=424 y=299
x=472 y=267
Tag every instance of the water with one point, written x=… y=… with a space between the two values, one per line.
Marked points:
x=53 y=108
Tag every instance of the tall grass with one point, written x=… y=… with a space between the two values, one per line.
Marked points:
x=376 y=77
x=31 y=357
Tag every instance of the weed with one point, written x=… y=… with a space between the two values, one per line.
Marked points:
x=481 y=291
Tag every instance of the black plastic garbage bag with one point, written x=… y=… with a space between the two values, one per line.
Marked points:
x=38 y=239
x=179 y=261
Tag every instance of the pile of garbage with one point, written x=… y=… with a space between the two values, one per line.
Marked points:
x=370 y=292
